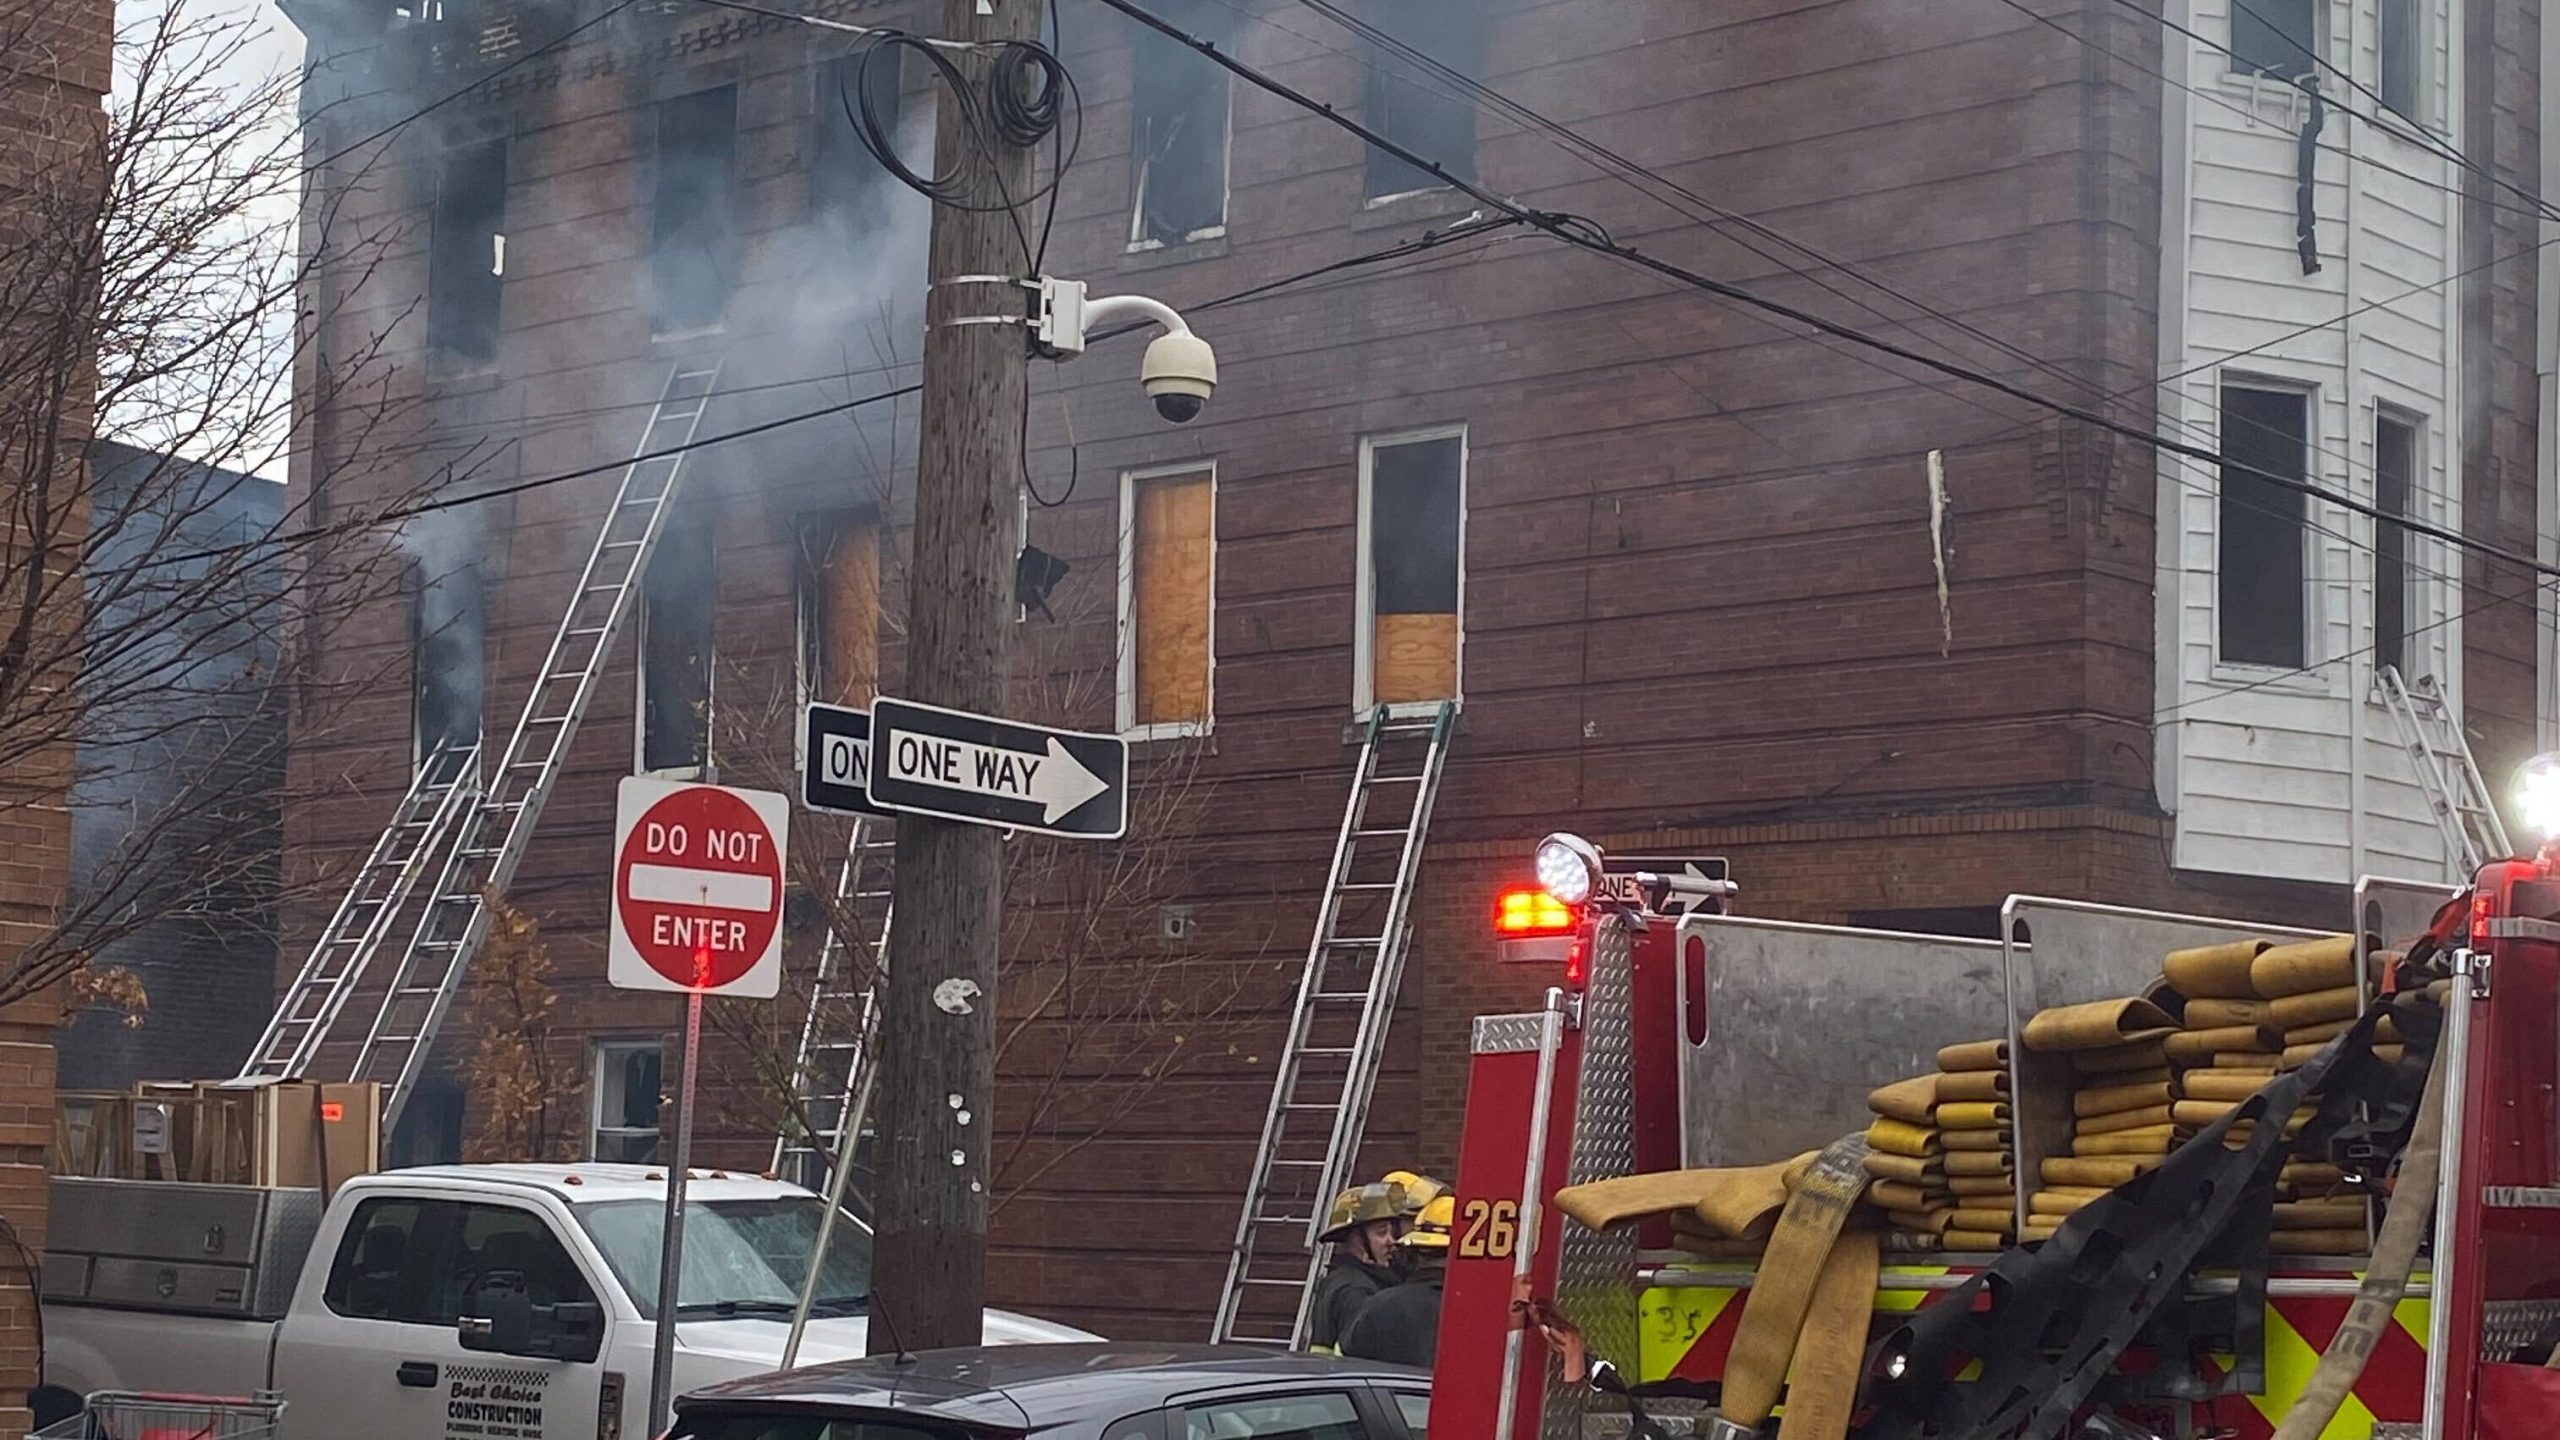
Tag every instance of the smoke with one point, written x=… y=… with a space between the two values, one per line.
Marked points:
x=449 y=620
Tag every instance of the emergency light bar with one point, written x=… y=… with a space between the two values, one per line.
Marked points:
x=1534 y=927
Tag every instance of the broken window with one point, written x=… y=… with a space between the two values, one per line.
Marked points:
x=676 y=603
x=1178 y=119
x=2260 y=576
x=447 y=627
x=1413 y=495
x=693 y=228
x=839 y=589
x=2395 y=468
x=628 y=1092
x=2274 y=37
x=2402 y=62
x=1167 y=549
x=848 y=184
x=467 y=254
x=1417 y=107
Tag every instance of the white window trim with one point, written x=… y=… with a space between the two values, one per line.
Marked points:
x=2312 y=676
x=1365 y=578
x=2417 y=588
x=640 y=695
x=1125 y=711
x=599 y=1052
x=1226 y=197
x=2220 y=54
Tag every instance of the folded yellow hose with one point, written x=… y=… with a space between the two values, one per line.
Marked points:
x=1909 y=1101
x=2149 y=1140
x=2141 y=1119
x=1974 y=1240
x=2062 y=1200
x=2221 y=1084
x=2214 y=1014
x=1977 y=1085
x=1974 y=1139
x=2215 y=972
x=1972 y=1185
x=1975 y=1162
x=1901 y=1137
x=1782 y=1294
x=2115 y=1059
x=2293 y=1012
x=1910 y=1169
x=1973 y=1115
x=2247 y=1064
x=2305 y=965
x=1926 y=1222
x=1831 y=1347
x=2114 y=1099
x=1995 y=1218
x=1896 y=1195
x=1974 y=1055
x=2316 y=1242
x=2198 y=1047
x=2097 y=1025
x=2102 y=1173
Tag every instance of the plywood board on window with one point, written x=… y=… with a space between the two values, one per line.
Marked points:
x=849 y=615
x=1415 y=658
x=1170 y=550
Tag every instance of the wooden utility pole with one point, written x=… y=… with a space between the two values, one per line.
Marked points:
x=937 y=1051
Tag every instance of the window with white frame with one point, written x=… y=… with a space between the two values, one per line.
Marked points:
x=2402 y=57
x=2275 y=37
x=676 y=606
x=628 y=1093
x=2397 y=452
x=1180 y=109
x=1168 y=586
x=2261 y=582
x=1411 y=577
x=1418 y=107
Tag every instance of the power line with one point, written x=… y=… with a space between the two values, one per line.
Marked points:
x=1584 y=234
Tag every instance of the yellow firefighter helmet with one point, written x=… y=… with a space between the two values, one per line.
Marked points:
x=1419 y=1190
x=1431 y=1229
x=1359 y=1205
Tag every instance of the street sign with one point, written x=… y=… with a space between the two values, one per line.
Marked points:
x=986 y=771
x=697 y=889
x=836 y=761
x=1618 y=877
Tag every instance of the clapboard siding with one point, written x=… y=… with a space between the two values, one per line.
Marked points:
x=2302 y=775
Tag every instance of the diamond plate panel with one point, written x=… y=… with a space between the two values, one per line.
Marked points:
x=1596 y=1270
x=1506 y=1034
x=2510 y=1325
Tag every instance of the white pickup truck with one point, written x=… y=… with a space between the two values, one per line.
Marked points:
x=469 y=1302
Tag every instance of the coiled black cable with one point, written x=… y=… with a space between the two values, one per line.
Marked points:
x=1029 y=97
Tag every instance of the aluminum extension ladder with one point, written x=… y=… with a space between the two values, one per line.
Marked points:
x=2474 y=834
x=1320 y=1092
x=443 y=790
x=831 y=1070
x=490 y=841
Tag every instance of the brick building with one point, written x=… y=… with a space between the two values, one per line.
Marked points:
x=1675 y=557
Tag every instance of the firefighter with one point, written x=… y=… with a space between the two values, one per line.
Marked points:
x=1419 y=1191
x=1402 y=1326
x=1362 y=1228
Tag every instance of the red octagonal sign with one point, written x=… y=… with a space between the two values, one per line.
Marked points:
x=697 y=888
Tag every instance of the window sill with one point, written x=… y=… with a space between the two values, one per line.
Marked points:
x=2230 y=677
x=1150 y=255
x=1412 y=207
x=457 y=378
x=679 y=337
x=1357 y=729
x=1167 y=730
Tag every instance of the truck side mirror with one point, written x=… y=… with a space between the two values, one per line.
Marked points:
x=504 y=1325
x=571 y=1330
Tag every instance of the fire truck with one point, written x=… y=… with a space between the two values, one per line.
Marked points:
x=1702 y=1040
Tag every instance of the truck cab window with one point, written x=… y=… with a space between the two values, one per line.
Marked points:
x=503 y=1248
x=386 y=1267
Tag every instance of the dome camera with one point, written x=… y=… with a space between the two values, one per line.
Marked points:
x=1179 y=372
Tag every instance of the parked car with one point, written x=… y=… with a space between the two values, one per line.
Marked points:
x=1117 y=1391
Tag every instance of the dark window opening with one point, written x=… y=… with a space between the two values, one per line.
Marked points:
x=1418 y=108
x=2274 y=37
x=2260 y=578
x=675 y=647
x=693 y=229
x=849 y=187
x=1416 y=491
x=2395 y=468
x=629 y=1093
x=839 y=588
x=448 y=621
x=467 y=254
x=2402 y=62
x=1179 y=112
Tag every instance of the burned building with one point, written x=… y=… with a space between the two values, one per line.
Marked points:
x=1701 y=581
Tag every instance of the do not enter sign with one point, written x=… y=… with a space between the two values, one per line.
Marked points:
x=697 y=888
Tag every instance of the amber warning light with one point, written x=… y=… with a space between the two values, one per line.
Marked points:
x=1534 y=926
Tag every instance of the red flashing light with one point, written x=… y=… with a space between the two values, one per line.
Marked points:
x=2483 y=906
x=1577 y=965
x=1532 y=912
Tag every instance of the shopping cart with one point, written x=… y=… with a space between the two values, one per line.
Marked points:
x=136 y=1415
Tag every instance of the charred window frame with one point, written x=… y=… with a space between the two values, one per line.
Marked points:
x=1408 y=646
x=629 y=1093
x=2276 y=38
x=848 y=187
x=676 y=608
x=1416 y=108
x=467 y=256
x=2262 y=579
x=693 y=211
x=1181 y=125
x=448 y=632
x=2399 y=448
x=2401 y=58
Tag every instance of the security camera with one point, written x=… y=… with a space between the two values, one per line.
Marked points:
x=1179 y=372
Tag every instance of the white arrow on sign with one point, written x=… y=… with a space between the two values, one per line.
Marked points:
x=1057 y=781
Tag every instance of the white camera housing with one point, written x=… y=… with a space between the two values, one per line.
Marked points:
x=1179 y=371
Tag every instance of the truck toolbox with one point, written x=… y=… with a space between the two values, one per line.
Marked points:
x=232 y=1251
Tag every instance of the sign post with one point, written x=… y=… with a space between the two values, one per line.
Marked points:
x=697 y=909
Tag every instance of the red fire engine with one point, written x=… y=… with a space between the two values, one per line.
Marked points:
x=1702 y=1040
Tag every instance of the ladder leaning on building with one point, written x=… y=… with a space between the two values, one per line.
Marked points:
x=2440 y=753
x=471 y=826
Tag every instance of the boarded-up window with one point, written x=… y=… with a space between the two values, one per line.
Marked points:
x=2395 y=468
x=1415 y=105
x=693 y=211
x=466 y=255
x=1168 y=561
x=839 y=587
x=2260 y=580
x=676 y=605
x=1415 y=494
x=2274 y=37
x=1178 y=111
x=448 y=624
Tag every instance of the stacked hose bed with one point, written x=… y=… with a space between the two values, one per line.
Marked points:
x=1939 y=1153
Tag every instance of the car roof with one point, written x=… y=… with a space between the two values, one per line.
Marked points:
x=589 y=1182
x=1035 y=1385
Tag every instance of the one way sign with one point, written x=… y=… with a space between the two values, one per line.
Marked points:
x=986 y=771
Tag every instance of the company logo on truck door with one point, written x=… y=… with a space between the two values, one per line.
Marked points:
x=493 y=1402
